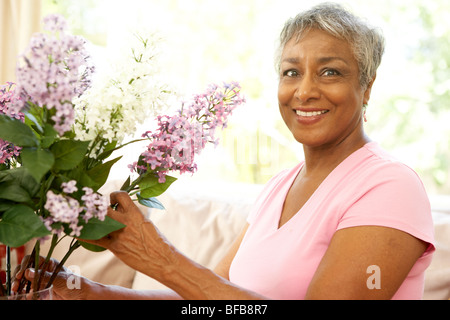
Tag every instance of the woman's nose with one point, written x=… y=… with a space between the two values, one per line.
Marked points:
x=307 y=89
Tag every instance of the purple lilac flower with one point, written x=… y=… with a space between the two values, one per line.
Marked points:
x=67 y=210
x=181 y=136
x=7 y=96
x=69 y=187
x=52 y=71
x=95 y=205
x=63 y=209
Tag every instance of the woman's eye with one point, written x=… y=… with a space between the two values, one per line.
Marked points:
x=290 y=73
x=331 y=72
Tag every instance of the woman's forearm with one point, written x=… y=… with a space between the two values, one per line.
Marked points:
x=98 y=291
x=191 y=281
x=195 y=282
x=160 y=260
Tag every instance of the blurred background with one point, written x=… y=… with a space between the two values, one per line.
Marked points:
x=211 y=41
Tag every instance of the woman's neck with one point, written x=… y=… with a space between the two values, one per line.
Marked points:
x=323 y=159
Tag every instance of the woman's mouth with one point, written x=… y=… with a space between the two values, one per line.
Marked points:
x=310 y=117
x=310 y=113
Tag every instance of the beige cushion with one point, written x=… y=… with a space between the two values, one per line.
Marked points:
x=437 y=276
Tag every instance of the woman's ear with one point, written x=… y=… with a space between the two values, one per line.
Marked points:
x=369 y=90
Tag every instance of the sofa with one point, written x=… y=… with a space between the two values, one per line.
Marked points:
x=203 y=219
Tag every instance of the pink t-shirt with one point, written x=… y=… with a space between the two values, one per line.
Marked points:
x=367 y=188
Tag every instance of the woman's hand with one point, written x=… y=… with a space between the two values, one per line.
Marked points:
x=140 y=245
x=61 y=289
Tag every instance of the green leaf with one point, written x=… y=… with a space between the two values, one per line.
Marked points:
x=150 y=202
x=32 y=122
x=126 y=184
x=69 y=153
x=49 y=136
x=82 y=178
x=96 y=229
x=19 y=225
x=34 y=116
x=148 y=181
x=108 y=150
x=91 y=247
x=11 y=190
x=99 y=174
x=37 y=161
x=6 y=205
x=150 y=187
x=17 y=132
x=21 y=177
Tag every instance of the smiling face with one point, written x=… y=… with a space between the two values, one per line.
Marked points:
x=319 y=93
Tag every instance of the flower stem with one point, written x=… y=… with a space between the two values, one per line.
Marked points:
x=8 y=270
x=47 y=259
x=37 y=246
x=133 y=184
x=121 y=146
x=72 y=248
x=30 y=262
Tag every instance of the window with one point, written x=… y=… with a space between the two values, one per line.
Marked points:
x=214 y=41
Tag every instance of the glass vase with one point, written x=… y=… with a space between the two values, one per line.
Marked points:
x=45 y=294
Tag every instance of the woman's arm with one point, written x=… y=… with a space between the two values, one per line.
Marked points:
x=98 y=291
x=141 y=246
x=193 y=281
x=343 y=271
x=87 y=289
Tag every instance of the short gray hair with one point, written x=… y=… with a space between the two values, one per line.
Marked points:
x=367 y=42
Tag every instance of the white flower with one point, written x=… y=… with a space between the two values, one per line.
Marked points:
x=125 y=96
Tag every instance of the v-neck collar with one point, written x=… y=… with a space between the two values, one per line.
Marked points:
x=330 y=180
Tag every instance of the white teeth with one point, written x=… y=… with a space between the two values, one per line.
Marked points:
x=311 y=113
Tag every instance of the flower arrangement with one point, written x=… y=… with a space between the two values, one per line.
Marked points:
x=58 y=131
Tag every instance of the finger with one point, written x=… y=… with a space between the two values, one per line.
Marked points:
x=16 y=281
x=30 y=274
x=20 y=269
x=121 y=199
x=118 y=214
x=18 y=272
x=124 y=204
x=17 y=276
x=58 y=283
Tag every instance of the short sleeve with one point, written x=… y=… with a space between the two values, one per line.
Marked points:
x=393 y=197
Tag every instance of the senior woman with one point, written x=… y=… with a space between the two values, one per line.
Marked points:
x=350 y=222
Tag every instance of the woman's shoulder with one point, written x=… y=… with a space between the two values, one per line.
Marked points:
x=375 y=172
x=382 y=164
